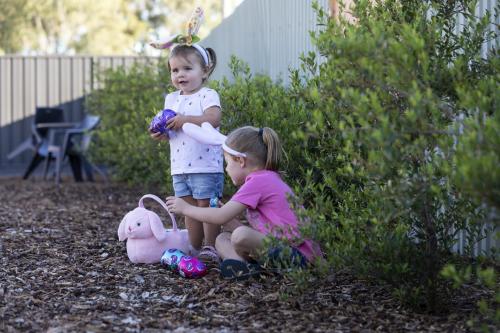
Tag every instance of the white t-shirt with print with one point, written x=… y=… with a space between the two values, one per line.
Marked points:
x=186 y=154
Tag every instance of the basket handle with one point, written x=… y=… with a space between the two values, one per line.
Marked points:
x=154 y=197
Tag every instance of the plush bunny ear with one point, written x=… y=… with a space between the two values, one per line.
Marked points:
x=207 y=127
x=122 y=235
x=157 y=226
x=204 y=134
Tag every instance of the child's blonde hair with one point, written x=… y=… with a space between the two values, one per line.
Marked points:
x=183 y=50
x=263 y=144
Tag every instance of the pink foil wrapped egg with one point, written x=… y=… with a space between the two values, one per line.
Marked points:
x=171 y=258
x=192 y=267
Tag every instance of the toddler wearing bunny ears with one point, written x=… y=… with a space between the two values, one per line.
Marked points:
x=252 y=158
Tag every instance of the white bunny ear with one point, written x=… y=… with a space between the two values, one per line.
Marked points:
x=209 y=135
x=213 y=132
x=204 y=134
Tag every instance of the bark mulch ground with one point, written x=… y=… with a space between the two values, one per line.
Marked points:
x=63 y=270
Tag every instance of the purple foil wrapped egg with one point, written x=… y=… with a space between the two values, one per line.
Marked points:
x=192 y=267
x=159 y=122
x=171 y=258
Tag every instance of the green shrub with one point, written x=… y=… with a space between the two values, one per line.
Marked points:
x=478 y=147
x=385 y=101
x=127 y=101
x=477 y=175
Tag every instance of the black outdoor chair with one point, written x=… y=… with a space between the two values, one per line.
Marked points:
x=46 y=119
x=74 y=144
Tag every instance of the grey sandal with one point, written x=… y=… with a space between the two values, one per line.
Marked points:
x=208 y=254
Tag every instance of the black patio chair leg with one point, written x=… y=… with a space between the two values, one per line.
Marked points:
x=59 y=160
x=87 y=167
x=76 y=166
x=33 y=164
x=92 y=167
x=46 y=169
x=100 y=172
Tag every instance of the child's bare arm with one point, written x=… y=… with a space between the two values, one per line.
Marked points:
x=232 y=224
x=206 y=214
x=211 y=115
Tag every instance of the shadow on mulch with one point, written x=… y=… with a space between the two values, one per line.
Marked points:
x=63 y=270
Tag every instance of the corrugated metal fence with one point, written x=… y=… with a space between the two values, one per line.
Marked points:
x=55 y=81
x=271 y=35
x=268 y=35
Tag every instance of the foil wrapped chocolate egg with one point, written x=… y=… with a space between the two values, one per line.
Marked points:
x=171 y=258
x=192 y=267
x=159 y=122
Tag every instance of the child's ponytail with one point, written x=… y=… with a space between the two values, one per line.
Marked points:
x=272 y=142
x=212 y=60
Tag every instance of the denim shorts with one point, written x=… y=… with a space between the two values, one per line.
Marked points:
x=287 y=256
x=199 y=185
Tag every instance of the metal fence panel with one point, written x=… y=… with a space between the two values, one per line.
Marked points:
x=268 y=35
x=271 y=35
x=59 y=81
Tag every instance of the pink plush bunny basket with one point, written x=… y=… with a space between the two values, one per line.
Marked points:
x=147 y=239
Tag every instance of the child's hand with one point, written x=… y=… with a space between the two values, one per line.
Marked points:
x=176 y=205
x=158 y=136
x=176 y=122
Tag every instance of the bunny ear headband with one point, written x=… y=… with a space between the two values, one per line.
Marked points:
x=190 y=39
x=209 y=135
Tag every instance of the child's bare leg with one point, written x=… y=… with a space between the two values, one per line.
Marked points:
x=225 y=248
x=211 y=231
x=243 y=244
x=194 y=227
x=247 y=242
x=231 y=225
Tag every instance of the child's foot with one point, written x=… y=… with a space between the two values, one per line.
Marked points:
x=209 y=255
x=239 y=270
